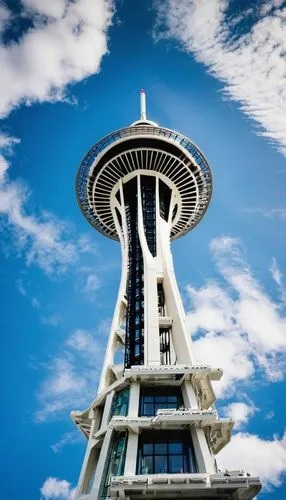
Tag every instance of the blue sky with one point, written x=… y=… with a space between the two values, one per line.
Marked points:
x=70 y=73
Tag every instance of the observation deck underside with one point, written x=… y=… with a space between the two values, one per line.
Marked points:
x=153 y=151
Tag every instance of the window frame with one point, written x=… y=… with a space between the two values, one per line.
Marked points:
x=157 y=393
x=158 y=449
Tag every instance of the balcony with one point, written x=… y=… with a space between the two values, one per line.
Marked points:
x=223 y=485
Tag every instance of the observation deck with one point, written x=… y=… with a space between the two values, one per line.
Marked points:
x=151 y=150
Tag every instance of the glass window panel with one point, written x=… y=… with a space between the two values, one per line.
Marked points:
x=160 y=399
x=157 y=407
x=172 y=399
x=147 y=465
x=176 y=448
x=160 y=448
x=120 y=403
x=149 y=399
x=161 y=464
x=176 y=464
x=147 y=448
x=171 y=406
x=148 y=409
x=114 y=466
x=120 y=446
x=191 y=462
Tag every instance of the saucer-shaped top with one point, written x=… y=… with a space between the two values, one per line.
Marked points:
x=144 y=147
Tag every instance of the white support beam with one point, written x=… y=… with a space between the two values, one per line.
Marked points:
x=101 y=464
x=134 y=396
x=131 y=454
x=107 y=409
x=189 y=396
x=85 y=461
x=204 y=457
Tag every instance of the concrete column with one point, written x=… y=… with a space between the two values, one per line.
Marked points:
x=134 y=396
x=131 y=454
x=189 y=396
x=107 y=409
x=203 y=455
x=99 y=475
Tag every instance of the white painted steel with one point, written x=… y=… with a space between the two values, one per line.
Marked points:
x=143 y=115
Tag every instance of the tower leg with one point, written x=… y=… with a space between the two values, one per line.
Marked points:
x=204 y=458
x=101 y=464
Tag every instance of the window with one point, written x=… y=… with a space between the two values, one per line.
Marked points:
x=116 y=460
x=161 y=299
x=153 y=399
x=162 y=452
x=165 y=354
x=120 y=403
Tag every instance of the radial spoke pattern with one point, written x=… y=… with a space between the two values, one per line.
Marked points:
x=184 y=166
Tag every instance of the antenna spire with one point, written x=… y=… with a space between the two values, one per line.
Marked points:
x=142 y=105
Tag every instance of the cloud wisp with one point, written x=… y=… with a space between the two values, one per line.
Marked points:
x=71 y=35
x=66 y=439
x=251 y=65
x=231 y=320
x=270 y=213
x=72 y=375
x=43 y=239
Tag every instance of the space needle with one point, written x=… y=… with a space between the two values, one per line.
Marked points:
x=153 y=430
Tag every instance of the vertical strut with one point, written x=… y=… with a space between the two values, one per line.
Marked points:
x=143 y=115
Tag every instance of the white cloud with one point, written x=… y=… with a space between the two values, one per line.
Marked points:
x=72 y=375
x=65 y=44
x=64 y=378
x=42 y=238
x=229 y=351
x=251 y=66
x=20 y=287
x=67 y=438
x=239 y=412
x=276 y=274
x=92 y=284
x=52 y=8
x=83 y=341
x=88 y=283
x=24 y=292
x=62 y=387
x=6 y=148
x=60 y=489
x=234 y=318
x=5 y=15
x=278 y=213
x=53 y=319
x=35 y=302
x=263 y=458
